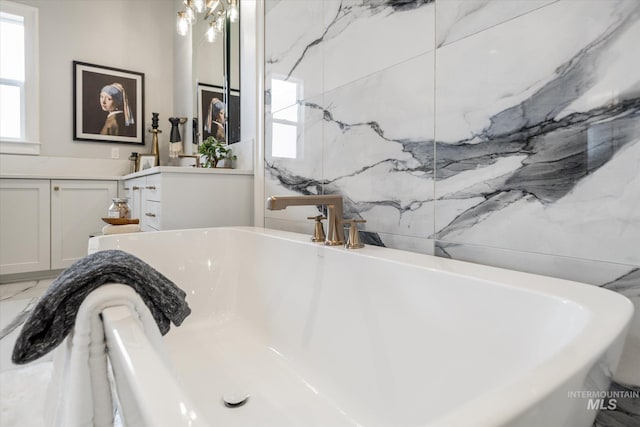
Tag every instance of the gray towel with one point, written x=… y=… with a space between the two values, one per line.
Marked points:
x=54 y=315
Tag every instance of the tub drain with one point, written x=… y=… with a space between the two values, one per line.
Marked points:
x=234 y=400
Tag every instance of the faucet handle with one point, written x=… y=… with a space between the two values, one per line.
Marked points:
x=318 y=234
x=354 y=237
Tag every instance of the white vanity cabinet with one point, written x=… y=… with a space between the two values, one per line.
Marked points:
x=45 y=224
x=142 y=193
x=170 y=198
x=24 y=225
x=77 y=209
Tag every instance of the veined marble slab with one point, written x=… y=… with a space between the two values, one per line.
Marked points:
x=543 y=155
x=461 y=18
x=536 y=145
x=360 y=150
x=294 y=30
x=330 y=43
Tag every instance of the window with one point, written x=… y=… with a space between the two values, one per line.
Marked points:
x=285 y=119
x=18 y=79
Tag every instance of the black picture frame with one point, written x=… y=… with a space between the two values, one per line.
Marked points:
x=206 y=93
x=233 y=125
x=91 y=122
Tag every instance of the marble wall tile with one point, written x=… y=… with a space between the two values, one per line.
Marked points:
x=518 y=76
x=542 y=156
x=325 y=44
x=365 y=37
x=368 y=126
x=291 y=48
x=361 y=150
x=586 y=271
x=408 y=243
x=303 y=173
x=461 y=18
x=532 y=127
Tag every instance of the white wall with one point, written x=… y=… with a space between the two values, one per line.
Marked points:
x=248 y=86
x=134 y=35
x=183 y=97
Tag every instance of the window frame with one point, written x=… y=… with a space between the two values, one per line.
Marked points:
x=29 y=142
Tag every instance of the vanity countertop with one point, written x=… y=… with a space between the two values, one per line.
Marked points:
x=187 y=170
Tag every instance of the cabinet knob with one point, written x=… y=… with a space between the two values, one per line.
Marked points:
x=150 y=214
x=126 y=188
x=150 y=187
x=135 y=187
x=56 y=188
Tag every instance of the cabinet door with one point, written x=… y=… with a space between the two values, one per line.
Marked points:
x=77 y=209
x=24 y=225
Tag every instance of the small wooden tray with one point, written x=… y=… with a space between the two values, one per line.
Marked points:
x=120 y=221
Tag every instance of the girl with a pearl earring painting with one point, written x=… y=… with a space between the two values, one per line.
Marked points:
x=119 y=121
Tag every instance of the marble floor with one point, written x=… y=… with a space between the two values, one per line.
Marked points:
x=22 y=387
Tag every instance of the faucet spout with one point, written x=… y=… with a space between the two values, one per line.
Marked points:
x=335 y=235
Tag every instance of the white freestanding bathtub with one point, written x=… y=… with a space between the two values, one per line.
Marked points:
x=325 y=336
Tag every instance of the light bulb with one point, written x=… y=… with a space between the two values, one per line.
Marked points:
x=220 y=21
x=212 y=4
x=233 y=11
x=182 y=24
x=212 y=34
x=191 y=15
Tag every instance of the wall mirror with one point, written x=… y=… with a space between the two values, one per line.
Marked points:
x=215 y=65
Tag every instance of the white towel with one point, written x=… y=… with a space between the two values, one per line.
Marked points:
x=79 y=394
x=117 y=229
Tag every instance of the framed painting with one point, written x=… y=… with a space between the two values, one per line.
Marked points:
x=218 y=118
x=108 y=104
x=146 y=161
x=212 y=112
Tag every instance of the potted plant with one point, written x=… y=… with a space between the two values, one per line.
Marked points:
x=215 y=151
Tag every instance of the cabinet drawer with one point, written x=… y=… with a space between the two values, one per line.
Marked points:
x=133 y=186
x=152 y=189
x=151 y=215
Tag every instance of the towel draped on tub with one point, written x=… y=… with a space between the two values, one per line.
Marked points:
x=80 y=391
x=79 y=394
x=53 y=317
